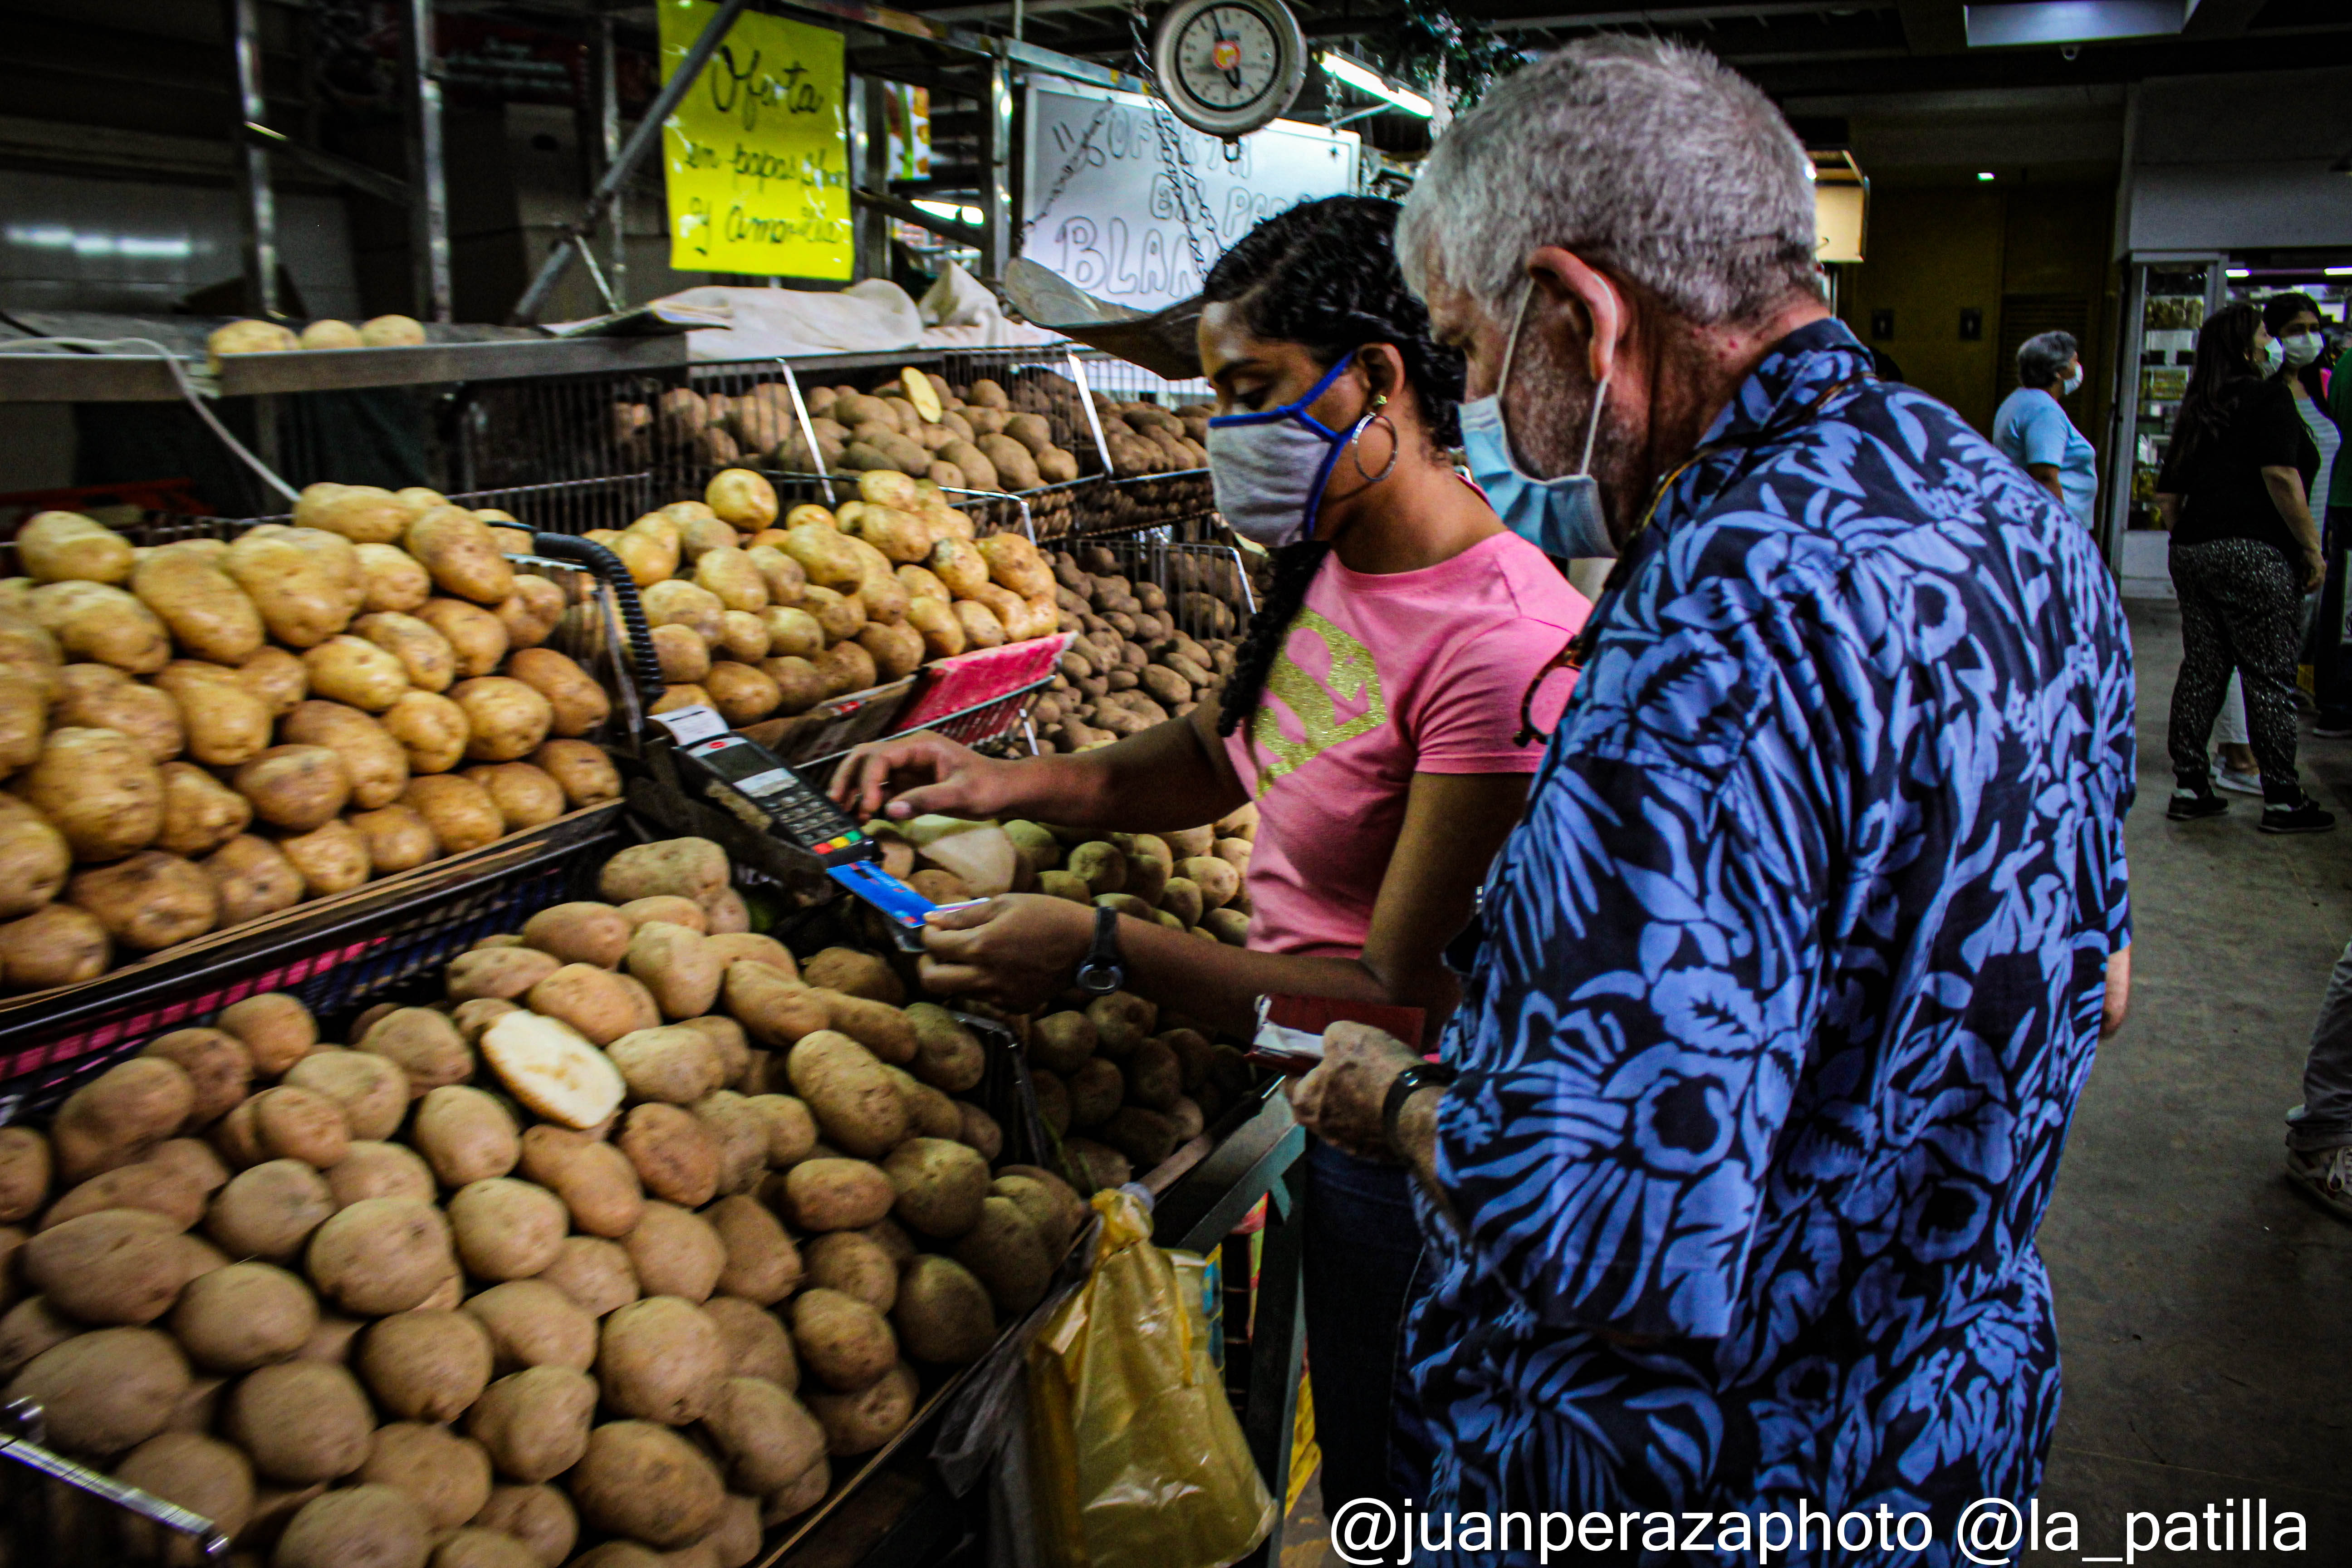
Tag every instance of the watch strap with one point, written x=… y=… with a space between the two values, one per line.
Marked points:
x=1100 y=973
x=1418 y=1077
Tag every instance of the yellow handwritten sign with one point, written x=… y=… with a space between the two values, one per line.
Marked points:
x=757 y=156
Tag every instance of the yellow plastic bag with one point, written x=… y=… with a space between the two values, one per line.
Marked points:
x=1138 y=1458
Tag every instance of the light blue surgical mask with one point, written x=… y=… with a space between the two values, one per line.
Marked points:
x=2072 y=384
x=2272 y=356
x=1268 y=469
x=1562 y=517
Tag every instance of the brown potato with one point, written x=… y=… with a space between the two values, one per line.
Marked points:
x=148 y=901
x=831 y=1194
x=207 y=614
x=99 y=697
x=373 y=1170
x=219 y=1068
x=396 y=838
x=302 y=1421
x=66 y=546
x=578 y=704
x=675 y=1252
x=446 y=1477
x=99 y=789
x=676 y=1156
x=505 y=718
x=305 y=581
x=592 y=1000
x=224 y=723
x=659 y=1360
x=373 y=758
x=595 y=1180
x=364 y=515
x=330 y=859
x=684 y=656
x=372 y=1090
x=426 y=657
x=533 y=1323
x=427 y=1363
x=107 y=1391
x=762 y=1264
x=461 y=812
x=507 y=1229
x=276 y=1030
x=117 y=1266
x=116 y=1118
x=535 y=1423
x=429 y=731
x=676 y=965
x=270 y=1210
x=247 y=1315
x=585 y=932
x=475 y=634
x=596 y=1273
x=381 y=1255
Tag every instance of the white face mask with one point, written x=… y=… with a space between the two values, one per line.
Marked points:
x=2271 y=355
x=2072 y=384
x=1267 y=470
x=2301 y=348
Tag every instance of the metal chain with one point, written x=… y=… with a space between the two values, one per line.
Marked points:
x=1069 y=171
x=1180 y=178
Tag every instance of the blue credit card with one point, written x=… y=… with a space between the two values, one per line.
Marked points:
x=901 y=903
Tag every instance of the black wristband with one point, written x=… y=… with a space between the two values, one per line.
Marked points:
x=1419 y=1076
x=1100 y=973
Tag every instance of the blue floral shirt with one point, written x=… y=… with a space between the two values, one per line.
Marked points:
x=1787 y=984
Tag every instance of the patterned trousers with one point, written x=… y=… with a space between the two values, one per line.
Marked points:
x=2241 y=608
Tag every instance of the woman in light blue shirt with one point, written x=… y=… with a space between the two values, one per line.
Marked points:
x=2031 y=427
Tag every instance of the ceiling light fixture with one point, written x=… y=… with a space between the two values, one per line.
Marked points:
x=2234 y=272
x=2337 y=271
x=1985 y=174
x=1363 y=79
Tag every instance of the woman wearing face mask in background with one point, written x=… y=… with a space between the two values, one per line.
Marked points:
x=1375 y=715
x=2245 y=551
x=2031 y=428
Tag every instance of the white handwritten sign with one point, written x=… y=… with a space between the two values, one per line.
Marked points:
x=1116 y=227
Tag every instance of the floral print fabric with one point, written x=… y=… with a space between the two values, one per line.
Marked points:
x=1787 y=983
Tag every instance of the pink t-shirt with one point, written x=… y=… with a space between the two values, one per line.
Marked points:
x=1384 y=676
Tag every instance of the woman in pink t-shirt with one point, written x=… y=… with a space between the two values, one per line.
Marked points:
x=1374 y=716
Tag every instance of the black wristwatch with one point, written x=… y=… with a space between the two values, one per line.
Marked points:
x=1100 y=973
x=1420 y=1075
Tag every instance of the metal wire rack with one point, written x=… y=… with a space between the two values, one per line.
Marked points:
x=1210 y=591
x=1168 y=496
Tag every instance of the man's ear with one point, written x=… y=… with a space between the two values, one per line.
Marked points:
x=1592 y=303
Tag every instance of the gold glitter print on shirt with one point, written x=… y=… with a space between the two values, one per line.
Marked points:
x=1315 y=703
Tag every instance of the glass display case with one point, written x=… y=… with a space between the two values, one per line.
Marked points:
x=2171 y=299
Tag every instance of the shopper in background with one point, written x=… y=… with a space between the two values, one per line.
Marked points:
x=2033 y=430
x=2244 y=550
x=1373 y=715
x=1780 y=994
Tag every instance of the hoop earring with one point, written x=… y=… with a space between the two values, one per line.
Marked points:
x=1373 y=415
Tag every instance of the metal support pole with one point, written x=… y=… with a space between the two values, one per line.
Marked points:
x=869 y=161
x=996 y=196
x=641 y=141
x=261 y=204
x=430 y=216
x=608 y=142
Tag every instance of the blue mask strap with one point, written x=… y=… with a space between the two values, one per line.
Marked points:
x=1295 y=411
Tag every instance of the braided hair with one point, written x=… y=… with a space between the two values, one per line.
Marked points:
x=1324 y=274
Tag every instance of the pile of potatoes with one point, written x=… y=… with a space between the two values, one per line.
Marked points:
x=1130 y=667
x=609 y=1253
x=252 y=337
x=1119 y=1083
x=759 y=616
x=1147 y=438
x=199 y=734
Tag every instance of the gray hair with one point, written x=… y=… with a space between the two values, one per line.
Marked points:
x=2041 y=359
x=1648 y=158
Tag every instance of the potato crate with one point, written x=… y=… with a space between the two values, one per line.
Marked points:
x=336 y=954
x=1151 y=488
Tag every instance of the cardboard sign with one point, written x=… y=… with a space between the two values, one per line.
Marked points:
x=756 y=159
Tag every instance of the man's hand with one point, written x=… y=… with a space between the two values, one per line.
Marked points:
x=1340 y=1101
x=924 y=772
x=1014 y=951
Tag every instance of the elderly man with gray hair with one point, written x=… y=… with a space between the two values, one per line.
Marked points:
x=1780 y=995
x=2033 y=431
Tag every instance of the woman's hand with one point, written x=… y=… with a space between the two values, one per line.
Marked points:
x=2314 y=570
x=1014 y=951
x=921 y=772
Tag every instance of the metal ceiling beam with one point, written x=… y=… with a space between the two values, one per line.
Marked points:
x=1934 y=26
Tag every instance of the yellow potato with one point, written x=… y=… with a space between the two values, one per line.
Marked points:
x=959 y=565
x=743 y=693
x=476 y=636
x=226 y=724
x=397 y=837
x=896 y=650
x=329 y=334
x=357 y=673
x=23 y=717
x=792 y=632
x=680 y=604
x=534 y=612
x=100 y=697
x=800 y=685
x=684 y=656
x=525 y=795
x=295 y=787
x=980 y=626
x=934 y=620
x=824 y=554
x=585 y=772
x=306 y=582
x=207 y=614
x=458 y=550
x=783 y=577
x=67 y=547
x=373 y=757
x=99 y=789
x=729 y=575
x=578 y=704
x=839 y=614
x=331 y=859
x=742 y=498
x=253 y=879
x=742 y=636
x=200 y=814
x=394 y=332
x=34 y=858
x=461 y=812
x=844 y=667
x=277 y=677
x=364 y=515
x=95 y=621
x=425 y=655
x=505 y=719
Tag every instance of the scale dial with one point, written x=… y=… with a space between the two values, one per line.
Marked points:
x=1228 y=67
